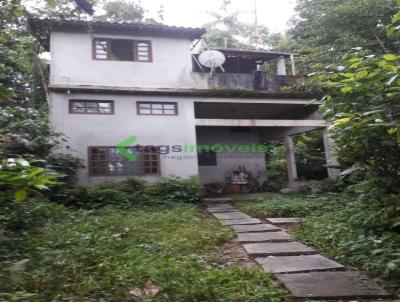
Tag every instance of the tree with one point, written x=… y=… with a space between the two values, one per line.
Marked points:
x=326 y=29
x=18 y=79
x=226 y=30
x=122 y=10
x=362 y=105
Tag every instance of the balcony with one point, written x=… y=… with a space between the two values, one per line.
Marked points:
x=257 y=80
x=244 y=70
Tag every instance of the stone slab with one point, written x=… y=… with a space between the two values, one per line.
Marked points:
x=288 y=220
x=264 y=237
x=332 y=285
x=231 y=215
x=220 y=206
x=278 y=249
x=222 y=210
x=241 y=221
x=255 y=228
x=297 y=264
x=217 y=199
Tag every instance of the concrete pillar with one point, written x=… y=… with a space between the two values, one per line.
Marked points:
x=293 y=64
x=281 y=66
x=291 y=160
x=333 y=174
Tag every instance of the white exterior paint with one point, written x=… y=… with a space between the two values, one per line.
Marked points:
x=72 y=64
x=84 y=130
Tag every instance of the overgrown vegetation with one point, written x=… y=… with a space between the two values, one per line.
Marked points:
x=131 y=191
x=347 y=230
x=354 y=236
x=109 y=254
x=310 y=160
x=279 y=205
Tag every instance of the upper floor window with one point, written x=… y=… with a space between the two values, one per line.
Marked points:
x=91 y=107
x=122 y=50
x=156 y=108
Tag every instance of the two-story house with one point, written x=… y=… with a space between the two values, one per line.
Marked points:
x=142 y=84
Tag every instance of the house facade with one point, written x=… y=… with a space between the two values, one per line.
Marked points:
x=132 y=99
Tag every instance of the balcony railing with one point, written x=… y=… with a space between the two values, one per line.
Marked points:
x=258 y=80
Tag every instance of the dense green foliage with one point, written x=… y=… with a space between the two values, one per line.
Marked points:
x=19 y=77
x=324 y=29
x=310 y=155
x=131 y=191
x=106 y=254
x=354 y=236
x=346 y=230
x=310 y=160
x=362 y=105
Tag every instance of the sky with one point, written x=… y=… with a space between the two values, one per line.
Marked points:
x=273 y=13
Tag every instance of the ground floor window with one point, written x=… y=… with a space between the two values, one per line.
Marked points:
x=207 y=158
x=106 y=161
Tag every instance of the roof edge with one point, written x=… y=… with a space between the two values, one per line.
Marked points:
x=45 y=26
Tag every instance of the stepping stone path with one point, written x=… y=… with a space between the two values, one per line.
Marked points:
x=263 y=237
x=305 y=273
x=289 y=220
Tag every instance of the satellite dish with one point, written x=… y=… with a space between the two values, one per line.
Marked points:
x=212 y=58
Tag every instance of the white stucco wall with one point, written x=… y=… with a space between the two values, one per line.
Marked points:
x=83 y=130
x=226 y=161
x=72 y=64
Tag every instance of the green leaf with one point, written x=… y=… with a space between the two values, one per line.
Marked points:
x=390 y=57
x=342 y=121
x=396 y=18
x=20 y=195
x=390 y=32
x=346 y=89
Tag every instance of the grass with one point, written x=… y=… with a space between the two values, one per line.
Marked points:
x=349 y=231
x=279 y=205
x=102 y=255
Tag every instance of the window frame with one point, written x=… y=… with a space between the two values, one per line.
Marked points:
x=214 y=159
x=107 y=160
x=112 y=107
x=109 y=51
x=138 y=103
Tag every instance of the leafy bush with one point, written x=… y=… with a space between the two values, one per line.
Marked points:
x=26 y=133
x=19 y=178
x=184 y=190
x=131 y=191
x=310 y=155
x=362 y=105
x=354 y=235
x=276 y=166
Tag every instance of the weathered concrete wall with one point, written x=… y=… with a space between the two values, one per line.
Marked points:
x=226 y=161
x=83 y=130
x=72 y=64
